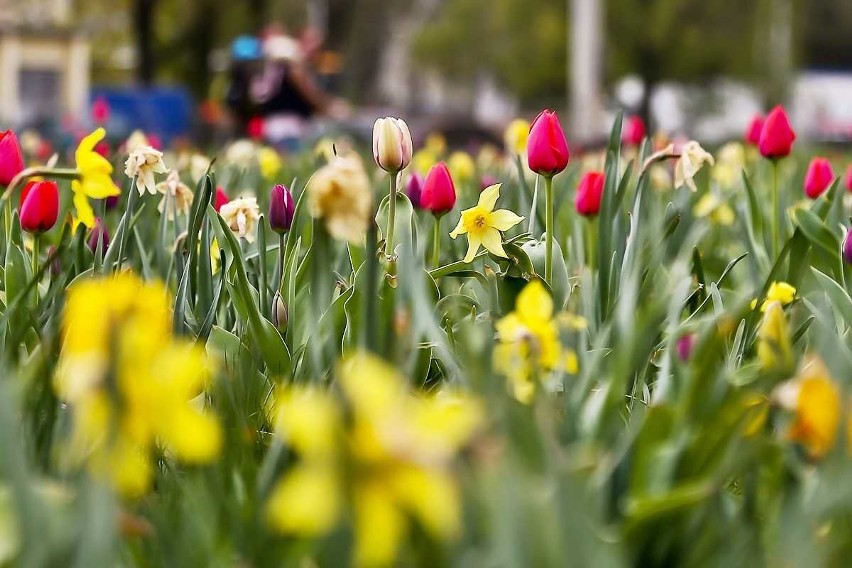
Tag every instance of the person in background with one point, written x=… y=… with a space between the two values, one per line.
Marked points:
x=246 y=55
x=286 y=94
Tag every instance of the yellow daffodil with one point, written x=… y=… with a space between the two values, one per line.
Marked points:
x=728 y=170
x=269 y=161
x=780 y=292
x=95 y=180
x=398 y=449
x=129 y=383
x=516 y=135
x=774 y=349
x=814 y=397
x=483 y=225
x=529 y=342
x=461 y=166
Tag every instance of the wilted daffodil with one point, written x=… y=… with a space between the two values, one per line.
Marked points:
x=95 y=179
x=529 y=342
x=176 y=196
x=814 y=397
x=141 y=165
x=241 y=215
x=129 y=384
x=398 y=447
x=483 y=225
x=692 y=159
x=339 y=193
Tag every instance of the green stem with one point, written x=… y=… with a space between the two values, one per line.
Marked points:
x=36 y=247
x=124 y=225
x=775 y=212
x=279 y=266
x=548 y=259
x=436 y=242
x=369 y=331
x=391 y=217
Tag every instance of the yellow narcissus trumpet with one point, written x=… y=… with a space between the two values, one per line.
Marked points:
x=95 y=180
x=483 y=225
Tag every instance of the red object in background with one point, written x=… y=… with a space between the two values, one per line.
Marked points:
x=547 y=148
x=99 y=232
x=634 y=131
x=154 y=141
x=103 y=149
x=100 y=111
x=777 y=136
x=39 y=206
x=755 y=127
x=255 y=128
x=439 y=191
x=589 y=193
x=819 y=176
x=486 y=181
x=44 y=151
x=220 y=199
x=849 y=178
x=11 y=159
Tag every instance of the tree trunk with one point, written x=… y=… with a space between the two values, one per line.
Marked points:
x=144 y=28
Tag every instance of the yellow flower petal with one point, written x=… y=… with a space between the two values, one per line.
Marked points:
x=534 y=304
x=492 y=240
x=503 y=219
x=460 y=228
x=306 y=502
x=488 y=197
x=473 y=242
x=431 y=497
x=85 y=213
x=379 y=526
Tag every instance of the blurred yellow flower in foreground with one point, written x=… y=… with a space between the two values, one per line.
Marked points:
x=397 y=446
x=129 y=383
x=529 y=342
x=814 y=397
x=95 y=177
x=269 y=161
x=516 y=135
x=339 y=193
x=774 y=349
x=483 y=225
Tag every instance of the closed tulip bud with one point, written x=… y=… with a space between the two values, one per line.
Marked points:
x=589 y=193
x=414 y=190
x=220 y=199
x=281 y=209
x=777 y=136
x=849 y=178
x=392 y=147
x=818 y=178
x=684 y=346
x=439 y=192
x=634 y=131
x=847 y=247
x=99 y=232
x=755 y=127
x=547 y=148
x=39 y=206
x=111 y=202
x=280 y=313
x=11 y=159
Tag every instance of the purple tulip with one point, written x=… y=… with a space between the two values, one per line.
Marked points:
x=847 y=247
x=281 y=209
x=413 y=189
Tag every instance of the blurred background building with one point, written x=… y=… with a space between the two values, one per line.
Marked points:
x=688 y=66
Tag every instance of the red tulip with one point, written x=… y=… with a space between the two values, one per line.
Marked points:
x=819 y=177
x=439 y=192
x=589 y=193
x=547 y=149
x=39 y=206
x=255 y=128
x=11 y=159
x=100 y=111
x=849 y=178
x=634 y=131
x=220 y=199
x=777 y=136
x=755 y=127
